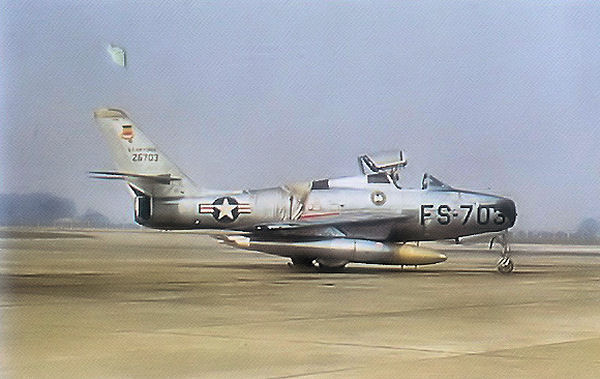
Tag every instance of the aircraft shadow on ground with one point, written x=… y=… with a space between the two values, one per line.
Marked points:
x=362 y=270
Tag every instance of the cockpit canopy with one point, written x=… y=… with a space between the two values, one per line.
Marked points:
x=383 y=165
x=384 y=162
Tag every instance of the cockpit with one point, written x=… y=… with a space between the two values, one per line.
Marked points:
x=378 y=169
x=385 y=167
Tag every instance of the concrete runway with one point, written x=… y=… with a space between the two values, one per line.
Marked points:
x=152 y=304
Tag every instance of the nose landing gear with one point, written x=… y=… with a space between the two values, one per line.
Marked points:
x=505 y=265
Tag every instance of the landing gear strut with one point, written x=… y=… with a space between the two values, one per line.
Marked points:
x=505 y=265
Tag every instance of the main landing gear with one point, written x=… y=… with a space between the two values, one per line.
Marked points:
x=322 y=265
x=505 y=265
x=301 y=264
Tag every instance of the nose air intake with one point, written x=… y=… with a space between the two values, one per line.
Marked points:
x=508 y=209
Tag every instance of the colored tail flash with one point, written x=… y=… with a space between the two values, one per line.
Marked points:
x=127 y=133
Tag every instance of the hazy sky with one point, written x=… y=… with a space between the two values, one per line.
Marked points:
x=502 y=95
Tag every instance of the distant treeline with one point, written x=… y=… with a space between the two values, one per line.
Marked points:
x=554 y=237
x=45 y=209
x=587 y=232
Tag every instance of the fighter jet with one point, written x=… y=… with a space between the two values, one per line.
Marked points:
x=325 y=223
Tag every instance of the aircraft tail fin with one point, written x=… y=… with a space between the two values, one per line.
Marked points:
x=139 y=161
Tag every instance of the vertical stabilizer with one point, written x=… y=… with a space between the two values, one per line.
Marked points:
x=139 y=161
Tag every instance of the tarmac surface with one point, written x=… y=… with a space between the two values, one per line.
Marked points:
x=154 y=304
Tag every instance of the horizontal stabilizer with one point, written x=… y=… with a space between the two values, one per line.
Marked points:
x=160 y=178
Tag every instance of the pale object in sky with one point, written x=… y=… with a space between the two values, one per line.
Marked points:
x=117 y=54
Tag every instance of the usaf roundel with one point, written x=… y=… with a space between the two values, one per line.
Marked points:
x=225 y=209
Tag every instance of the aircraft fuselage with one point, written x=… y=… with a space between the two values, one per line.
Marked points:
x=410 y=214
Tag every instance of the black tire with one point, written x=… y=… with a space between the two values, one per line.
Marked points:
x=505 y=266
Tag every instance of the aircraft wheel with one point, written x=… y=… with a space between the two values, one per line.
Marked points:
x=505 y=265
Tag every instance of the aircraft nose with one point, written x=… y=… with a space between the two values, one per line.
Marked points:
x=508 y=209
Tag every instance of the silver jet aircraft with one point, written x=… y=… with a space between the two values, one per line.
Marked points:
x=330 y=222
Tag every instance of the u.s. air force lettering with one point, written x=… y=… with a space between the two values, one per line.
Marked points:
x=225 y=209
